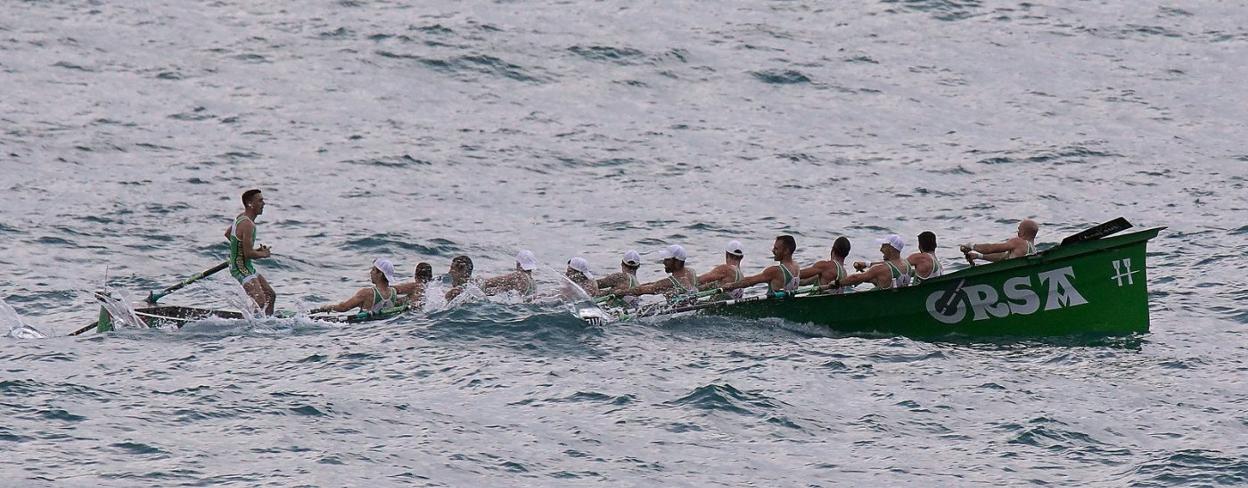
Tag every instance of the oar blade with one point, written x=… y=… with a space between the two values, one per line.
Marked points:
x=1108 y=228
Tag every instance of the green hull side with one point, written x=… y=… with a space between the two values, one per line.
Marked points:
x=105 y=322
x=1095 y=287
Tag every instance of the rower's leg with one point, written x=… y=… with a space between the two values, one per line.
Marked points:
x=255 y=290
x=269 y=294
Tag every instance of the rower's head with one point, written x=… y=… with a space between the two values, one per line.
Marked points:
x=461 y=269
x=891 y=246
x=673 y=257
x=1027 y=229
x=424 y=273
x=927 y=241
x=253 y=201
x=784 y=247
x=631 y=261
x=734 y=253
x=526 y=260
x=382 y=272
x=578 y=269
x=840 y=248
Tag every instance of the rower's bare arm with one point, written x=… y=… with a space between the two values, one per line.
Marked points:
x=712 y=278
x=227 y=233
x=648 y=288
x=763 y=277
x=496 y=284
x=863 y=277
x=994 y=257
x=609 y=282
x=811 y=275
x=353 y=302
x=992 y=248
x=245 y=232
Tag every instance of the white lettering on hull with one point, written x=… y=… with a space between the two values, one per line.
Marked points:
x=1021 y=297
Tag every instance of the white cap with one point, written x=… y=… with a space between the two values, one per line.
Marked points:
x=387 y=269
x=526 y=260
x=580 y=264
x=632 y=258
x=893 y=240
x=674 y=251
x=734 y=248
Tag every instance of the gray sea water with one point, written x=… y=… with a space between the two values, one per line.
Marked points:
x=422 y=130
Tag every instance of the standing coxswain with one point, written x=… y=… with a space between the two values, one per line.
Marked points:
x=242 y=238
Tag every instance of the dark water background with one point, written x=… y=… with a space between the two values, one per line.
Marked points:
x=423 y=130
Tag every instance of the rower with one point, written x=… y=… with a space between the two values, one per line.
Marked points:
x=424 y=272
x=415 y=290
x=823 y=273
x=460 y=273
x=681 y=283
x=242 y=238
x=578 y=273
x=729 y=272
x=893 y=272
x=519 y=280
x=1022 y=244
x=924 y=262
x=372 y=299
x=626 y=279
x=779 y=278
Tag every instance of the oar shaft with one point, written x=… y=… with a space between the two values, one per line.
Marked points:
x=154 y=297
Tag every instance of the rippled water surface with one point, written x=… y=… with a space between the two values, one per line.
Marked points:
x=418 y=131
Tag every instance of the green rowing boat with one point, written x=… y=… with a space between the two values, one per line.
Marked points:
x=1090 y=287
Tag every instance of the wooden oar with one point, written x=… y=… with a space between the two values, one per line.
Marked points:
x=84 y=329
x=153 y=297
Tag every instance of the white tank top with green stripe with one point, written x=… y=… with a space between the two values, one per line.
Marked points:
x=937 y=270
x=898 y=278
x=791 y=282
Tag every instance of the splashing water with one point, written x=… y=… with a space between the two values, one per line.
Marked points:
x=578 y=301
x=118 y=306
x=234 y=296
x=435 y=295
x=18 y=329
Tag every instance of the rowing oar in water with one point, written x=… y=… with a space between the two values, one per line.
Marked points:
x=152 y=297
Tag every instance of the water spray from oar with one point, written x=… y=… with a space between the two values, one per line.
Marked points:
x=18 y=328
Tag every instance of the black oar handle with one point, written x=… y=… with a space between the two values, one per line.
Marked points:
x=154 y=297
